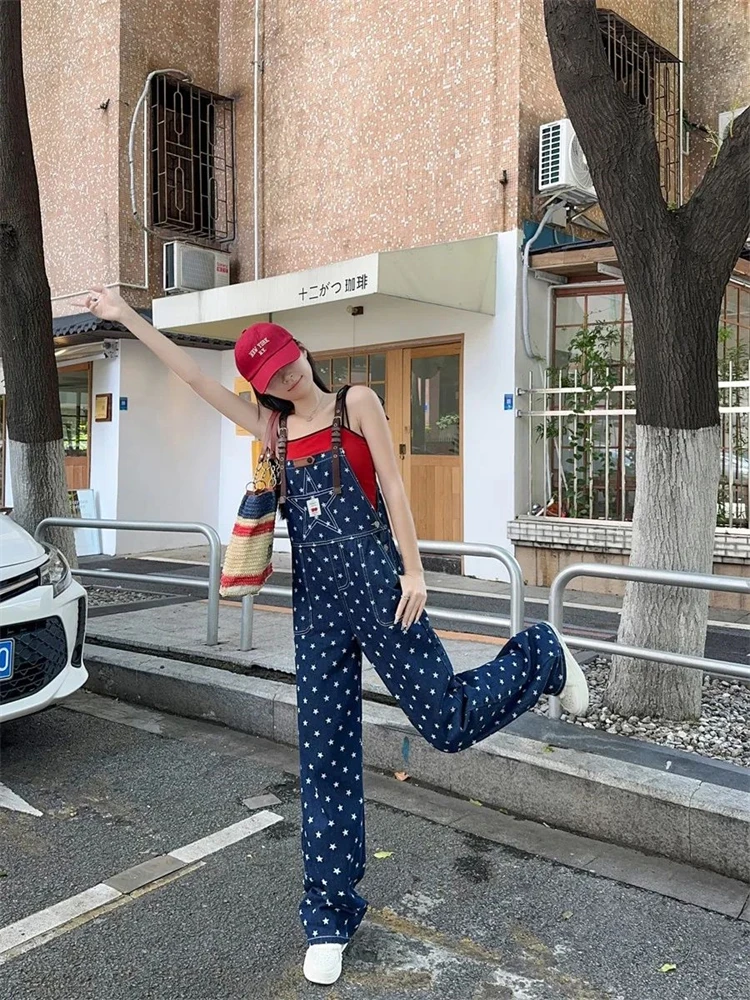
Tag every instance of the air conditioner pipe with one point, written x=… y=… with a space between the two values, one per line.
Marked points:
x=527 y=345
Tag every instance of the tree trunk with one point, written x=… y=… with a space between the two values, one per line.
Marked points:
x=673 y=528
x=676 y=265
x=677 y=480
x=34 y=423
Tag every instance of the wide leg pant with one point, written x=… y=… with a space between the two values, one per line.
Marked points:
x=346 y=595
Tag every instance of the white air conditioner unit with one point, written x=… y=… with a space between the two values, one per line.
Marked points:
x=188 y=268
x=725 y=120
x=562 y=166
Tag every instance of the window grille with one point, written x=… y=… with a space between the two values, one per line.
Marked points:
x=650 y=75
x=191 y=163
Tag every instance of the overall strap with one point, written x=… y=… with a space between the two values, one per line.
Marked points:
x=338 y=418
x=283 y=436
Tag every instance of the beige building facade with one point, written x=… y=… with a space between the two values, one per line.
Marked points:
x=381 y=128
x=396 y=143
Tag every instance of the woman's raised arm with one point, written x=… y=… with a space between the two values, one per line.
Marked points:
x=106 y=303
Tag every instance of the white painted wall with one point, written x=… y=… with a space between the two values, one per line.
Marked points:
x=236 y=459
x=490 y=438
x=170 y=449
x=104 y=443
x=540 y=319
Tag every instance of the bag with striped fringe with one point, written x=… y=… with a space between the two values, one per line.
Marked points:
x=247 y=563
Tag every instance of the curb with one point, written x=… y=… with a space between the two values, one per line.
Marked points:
x=677 y=817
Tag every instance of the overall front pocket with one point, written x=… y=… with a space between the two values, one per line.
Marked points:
x=301 y=602
x=381 y=581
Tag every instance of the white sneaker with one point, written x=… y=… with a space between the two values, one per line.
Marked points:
x=574 y=697
x=323 y=963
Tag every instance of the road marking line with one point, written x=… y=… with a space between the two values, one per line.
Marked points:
x=49 y=919
x=224 y=838
x=9 y=800
x=40 y=927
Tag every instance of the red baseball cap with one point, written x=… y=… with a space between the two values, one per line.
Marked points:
x=262 y=350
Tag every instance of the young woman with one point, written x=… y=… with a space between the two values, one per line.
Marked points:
x=354 y=592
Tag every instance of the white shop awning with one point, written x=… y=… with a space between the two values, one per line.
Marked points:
x=459 y=275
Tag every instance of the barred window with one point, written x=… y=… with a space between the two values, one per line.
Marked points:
x=191 y=163
x=587 y=431
x=650 y=75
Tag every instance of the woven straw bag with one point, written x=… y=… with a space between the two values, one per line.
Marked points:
x=247 y=563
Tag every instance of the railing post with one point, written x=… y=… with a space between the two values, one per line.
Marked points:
x=246 y=623
x=555 y=613
x=183 y=527
x=214 y=578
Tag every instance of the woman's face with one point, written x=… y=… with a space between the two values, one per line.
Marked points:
x=292 y=382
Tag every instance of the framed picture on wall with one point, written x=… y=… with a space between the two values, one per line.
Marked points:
x=103 y=407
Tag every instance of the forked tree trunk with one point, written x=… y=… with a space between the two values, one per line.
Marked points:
x=676 y=265
x=34 y=423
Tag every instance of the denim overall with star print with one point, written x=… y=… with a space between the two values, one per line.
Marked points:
x=346 y=591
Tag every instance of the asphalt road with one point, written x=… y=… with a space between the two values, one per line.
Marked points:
x=452 y=916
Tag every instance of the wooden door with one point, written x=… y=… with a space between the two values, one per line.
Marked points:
x=425 y=414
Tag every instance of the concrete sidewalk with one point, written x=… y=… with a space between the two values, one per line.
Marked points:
x=179 y=630
x=654 y=799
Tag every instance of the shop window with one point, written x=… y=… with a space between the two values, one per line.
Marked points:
x=75 y=397
x=191 y=166
x=607 y=309
x=585 y=424
x=435 y=404
x=354 y=369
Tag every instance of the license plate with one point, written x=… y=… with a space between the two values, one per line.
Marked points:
x=6 y=659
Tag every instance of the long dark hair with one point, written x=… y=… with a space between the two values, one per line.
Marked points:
x=282 y=406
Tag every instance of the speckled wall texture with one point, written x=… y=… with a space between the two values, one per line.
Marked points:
x=382 y=125
x=71 y=67
x=386 y=125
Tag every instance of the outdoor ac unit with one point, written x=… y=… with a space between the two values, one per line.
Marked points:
x=563 y=169
x=188 y=268
x=725 y=120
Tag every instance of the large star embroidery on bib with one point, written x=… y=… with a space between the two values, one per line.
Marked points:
x=314 y=503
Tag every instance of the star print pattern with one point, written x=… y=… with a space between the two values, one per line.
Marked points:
x=325 y=497
x=346 y=591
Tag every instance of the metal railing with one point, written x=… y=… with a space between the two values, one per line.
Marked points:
x=669 y=578
x=210 y=586
x=473 y=549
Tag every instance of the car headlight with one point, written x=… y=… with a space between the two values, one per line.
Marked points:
x=56 y=572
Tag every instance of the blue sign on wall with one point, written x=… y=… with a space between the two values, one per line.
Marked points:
x=508 y=401
x=123 y=402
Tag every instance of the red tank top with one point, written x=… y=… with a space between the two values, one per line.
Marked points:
x=357 y=452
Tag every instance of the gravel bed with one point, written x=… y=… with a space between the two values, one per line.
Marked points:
x=723 y=731
x=101 y=596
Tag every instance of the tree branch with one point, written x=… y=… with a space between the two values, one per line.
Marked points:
x=718 y=213
x=615 y=131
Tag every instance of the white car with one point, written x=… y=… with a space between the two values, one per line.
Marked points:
x=42 y=625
